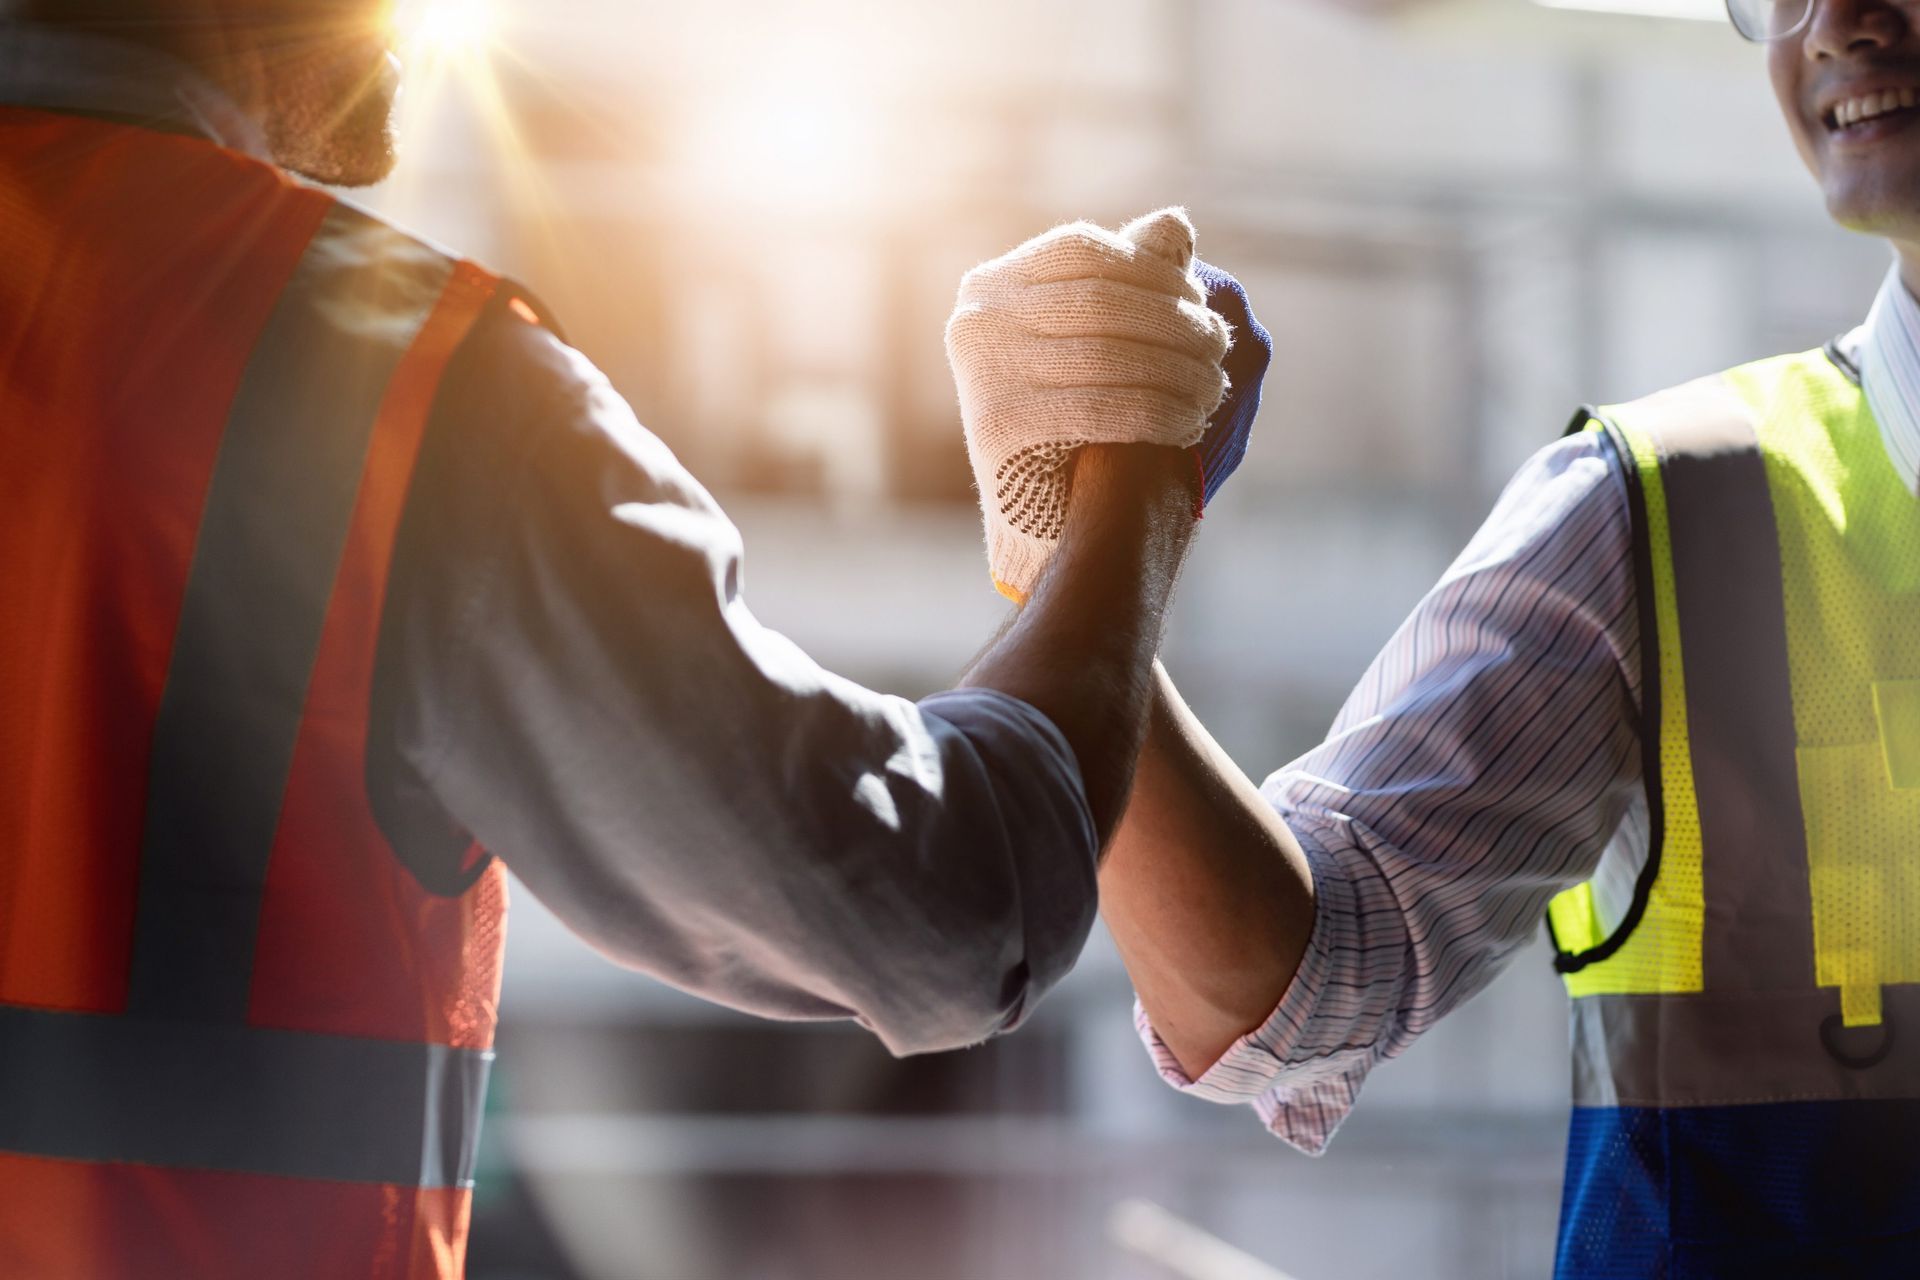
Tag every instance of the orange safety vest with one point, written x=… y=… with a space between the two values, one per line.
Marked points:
x=237 y=1037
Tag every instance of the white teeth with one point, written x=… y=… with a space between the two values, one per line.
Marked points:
x=1872 y=105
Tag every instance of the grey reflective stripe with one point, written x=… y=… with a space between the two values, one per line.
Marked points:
x=1758 y=934
x=238 y=1099
x=1754 y=1034
x=1727 y=1048
x=275 y=523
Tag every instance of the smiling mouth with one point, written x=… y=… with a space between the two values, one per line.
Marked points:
x=1853 y=114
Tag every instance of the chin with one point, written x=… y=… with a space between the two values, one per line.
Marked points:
x=362 y=165
x=331 y=114
x=1889 y=215
x=351 y=149
x=1877 y=193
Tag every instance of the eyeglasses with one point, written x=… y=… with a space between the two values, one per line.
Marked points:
x=1762 y=21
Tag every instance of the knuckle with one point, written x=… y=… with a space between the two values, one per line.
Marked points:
x=1076 y=244
x=1206 y=384
x=1210 y=329
x=1083 y=235
x=976 y=319
x=1087 y=292
x=984 y=280
x=962 y=325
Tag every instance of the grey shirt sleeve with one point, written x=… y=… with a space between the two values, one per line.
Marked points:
x=569 y=673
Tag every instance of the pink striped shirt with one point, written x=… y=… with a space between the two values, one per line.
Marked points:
x=1488 y=759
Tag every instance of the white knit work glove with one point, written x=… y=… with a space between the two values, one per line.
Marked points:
x=1079 y=336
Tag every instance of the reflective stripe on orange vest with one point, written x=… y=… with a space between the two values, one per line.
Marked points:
x=272 y=533
x=239 y=1099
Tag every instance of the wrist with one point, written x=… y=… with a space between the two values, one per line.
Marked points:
x=1143 y=482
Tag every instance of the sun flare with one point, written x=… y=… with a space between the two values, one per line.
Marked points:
x=449 y=28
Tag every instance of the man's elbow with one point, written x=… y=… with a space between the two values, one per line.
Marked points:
x=940 y=1016
x=945 y=999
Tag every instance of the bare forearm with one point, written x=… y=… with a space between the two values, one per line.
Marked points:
x=1081 y=651
x=1204 y=889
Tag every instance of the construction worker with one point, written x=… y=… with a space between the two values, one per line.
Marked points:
x=335 y=579
x=1671 y=688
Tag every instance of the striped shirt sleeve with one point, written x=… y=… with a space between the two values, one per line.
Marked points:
x=1887 y=348
x=1481 y=766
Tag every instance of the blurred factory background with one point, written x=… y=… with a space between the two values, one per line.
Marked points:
x=1459 y=219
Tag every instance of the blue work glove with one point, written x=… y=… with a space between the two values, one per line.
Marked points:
x=1225 y=443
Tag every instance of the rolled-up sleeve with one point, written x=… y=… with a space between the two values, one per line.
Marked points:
x=1481 y=766
x=581 y=686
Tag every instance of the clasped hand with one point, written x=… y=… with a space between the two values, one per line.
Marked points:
x=1087 y=336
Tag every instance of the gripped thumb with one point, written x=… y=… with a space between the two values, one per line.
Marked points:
x=1165 y=233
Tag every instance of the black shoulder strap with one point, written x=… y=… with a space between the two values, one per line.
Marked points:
x=1568 y=961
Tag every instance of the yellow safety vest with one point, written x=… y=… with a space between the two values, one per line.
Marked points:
x=1833 y=569
x=1770 y=954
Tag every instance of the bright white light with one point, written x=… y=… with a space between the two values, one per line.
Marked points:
x=789 y=142
x=449 y=28
x=1678 y=10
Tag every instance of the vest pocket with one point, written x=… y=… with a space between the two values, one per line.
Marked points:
x=1896 y=705
x=1864 y=876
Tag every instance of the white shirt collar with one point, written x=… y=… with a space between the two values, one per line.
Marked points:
x=1889 y=356
x=57 y=70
